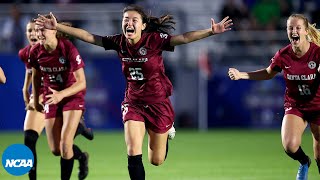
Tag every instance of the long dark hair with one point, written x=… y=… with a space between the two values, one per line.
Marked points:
x=164 y=24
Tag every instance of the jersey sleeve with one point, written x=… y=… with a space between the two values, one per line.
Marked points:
x=24 y=57
x=163 y=41
x=111 y=42
x=276 y=62
x=32 y=59
x=74 y=57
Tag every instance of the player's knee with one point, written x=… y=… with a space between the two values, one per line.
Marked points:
x=156 y=161
x=66 y=149
x=133 y=150
x=291 y=145
x=55 y=151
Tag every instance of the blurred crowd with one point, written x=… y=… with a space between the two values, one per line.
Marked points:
x=247 y=15
x=67 y=1
x=268 y=14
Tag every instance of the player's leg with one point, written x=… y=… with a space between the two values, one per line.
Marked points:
x=33 y=126
x=70 y=151
x=134 y=132
x=84 y=130
x=160 y=129
x=292 y=129
x=53 y=132
x=315 y=129
x=158 y=147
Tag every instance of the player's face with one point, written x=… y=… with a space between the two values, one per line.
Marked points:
x=132 y=26
x=31 y=33
x=44 y=35
x=296 y=31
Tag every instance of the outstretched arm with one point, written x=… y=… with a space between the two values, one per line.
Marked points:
x=262 y=74
x=216 y=28
x=51 y=23
x=3 y=78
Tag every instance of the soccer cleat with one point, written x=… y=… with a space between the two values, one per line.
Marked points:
x=171 y=133
x=303 y=171
x=86 y=132
x=83 y=166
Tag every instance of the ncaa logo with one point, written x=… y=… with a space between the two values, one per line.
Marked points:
x=62 y=60
x=17 y=159
x=143 y=51
x=312 y=65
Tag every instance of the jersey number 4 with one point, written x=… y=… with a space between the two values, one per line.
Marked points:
x=304 y=90
x=56 y=78
x=136 y=73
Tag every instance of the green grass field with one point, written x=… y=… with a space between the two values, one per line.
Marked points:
x=214 y=155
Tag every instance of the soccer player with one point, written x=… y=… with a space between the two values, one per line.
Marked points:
x=2 y=76
x=58 y=62
x=299 y=62
x=34 y=120
x=146 y=106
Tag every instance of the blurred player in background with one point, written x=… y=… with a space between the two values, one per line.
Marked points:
x=58 y=61
x=3 y=78
x=300 y=64
x=34 y=120
x=146 y=105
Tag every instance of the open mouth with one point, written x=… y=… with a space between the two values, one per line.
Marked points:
x=33 y=40
x=295 y=38
x=130 y=30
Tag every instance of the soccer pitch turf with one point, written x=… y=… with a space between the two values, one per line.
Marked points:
x=213 y=155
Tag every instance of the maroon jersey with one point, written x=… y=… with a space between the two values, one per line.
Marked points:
x=142 y=65
x=24 y=55
x=301 y=76
x=58 y=66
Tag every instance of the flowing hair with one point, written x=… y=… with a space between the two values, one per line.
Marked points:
x=314 y=33
x=164 y=24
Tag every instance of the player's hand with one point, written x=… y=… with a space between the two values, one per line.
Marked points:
x=30 y=107
x=38 y=107
x=222 y=26
x=234 y=74
x=54 y=98
x=47 y=23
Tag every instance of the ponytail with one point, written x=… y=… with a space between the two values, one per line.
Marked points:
x=314 y=34
x=164 y=24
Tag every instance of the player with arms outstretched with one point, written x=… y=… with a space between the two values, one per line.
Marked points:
x=299 y=62
x=146 y=106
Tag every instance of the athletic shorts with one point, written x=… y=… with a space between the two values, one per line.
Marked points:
x=309 y=116
x=55 y=110
x=157 y=117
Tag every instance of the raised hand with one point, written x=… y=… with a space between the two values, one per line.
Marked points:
x=222 y=26
x=234 y=74
x=47 y=22
x=54 y=98
x=38 y=107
